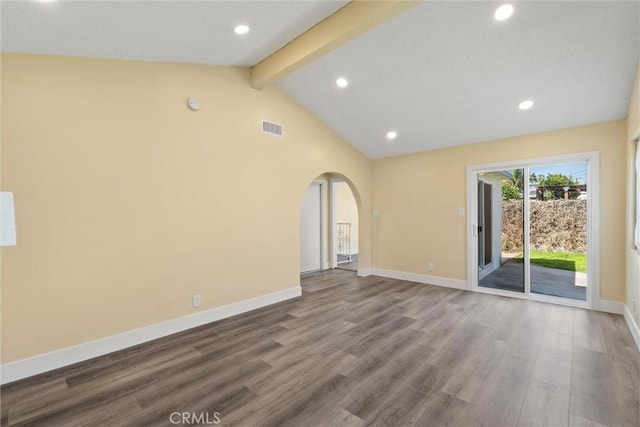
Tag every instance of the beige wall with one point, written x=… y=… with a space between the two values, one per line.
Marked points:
x=633 y=259
x=128 y=203
x=347 y=211
x=418 y=195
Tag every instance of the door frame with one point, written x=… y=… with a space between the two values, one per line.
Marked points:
x=333 y=244
x=593 y=227
x=323 y=217
x=496 y=224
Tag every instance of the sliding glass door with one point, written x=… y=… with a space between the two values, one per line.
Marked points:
x=500 y=230
x=530 y=228
x=558 y=230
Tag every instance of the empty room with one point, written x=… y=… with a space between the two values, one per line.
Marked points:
x=319 y=213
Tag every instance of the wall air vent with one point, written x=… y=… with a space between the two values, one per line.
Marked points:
x=272 y=128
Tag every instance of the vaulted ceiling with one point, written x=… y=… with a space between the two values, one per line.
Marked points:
x=439 y=74
x=158 y=30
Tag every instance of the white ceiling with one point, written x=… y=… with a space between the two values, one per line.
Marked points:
x=176 y=31
x=447 y=73
x=442 y=74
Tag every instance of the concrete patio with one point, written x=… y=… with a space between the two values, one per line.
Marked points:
x=547 y=281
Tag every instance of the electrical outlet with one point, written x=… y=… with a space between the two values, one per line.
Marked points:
x=195 y=301
x=429 y=267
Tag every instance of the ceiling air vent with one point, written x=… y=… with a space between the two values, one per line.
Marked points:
x=271 y=128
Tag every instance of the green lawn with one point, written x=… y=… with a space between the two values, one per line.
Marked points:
x=558 y=260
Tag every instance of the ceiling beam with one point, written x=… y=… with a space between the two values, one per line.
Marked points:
x=354 y=19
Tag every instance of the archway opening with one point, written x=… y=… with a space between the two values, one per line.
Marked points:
x=330 y=224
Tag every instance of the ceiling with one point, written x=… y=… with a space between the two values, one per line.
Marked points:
x=441 y=74
x=189 y=31
x=447 y=73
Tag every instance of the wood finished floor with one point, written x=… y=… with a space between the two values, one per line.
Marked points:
x=359 y=351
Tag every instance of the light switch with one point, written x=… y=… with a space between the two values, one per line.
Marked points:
x=7 y=220
x=460 y=211
x=376 y=213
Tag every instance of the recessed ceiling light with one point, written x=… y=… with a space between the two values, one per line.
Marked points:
x=392 y=134
x=47 y=1
x=525 y=105
x=342 y=82
x=241 y=29
x=504 y=12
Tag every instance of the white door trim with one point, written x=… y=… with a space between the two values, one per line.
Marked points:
x=527 y=228
x=593 y=225
x=323 y=220
x=333 y=243
x=323 y=216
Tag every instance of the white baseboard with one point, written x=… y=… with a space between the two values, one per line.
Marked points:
x=24 y=368
x=613 y=307
x=633 y=326
x=325 y=266
x=422 y=278
x=364 y=272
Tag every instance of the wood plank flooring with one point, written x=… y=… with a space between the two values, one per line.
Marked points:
x=358 y=351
